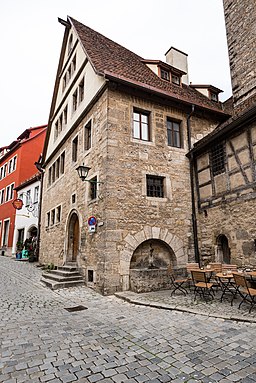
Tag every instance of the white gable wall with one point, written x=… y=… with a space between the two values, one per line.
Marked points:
x=92 y=84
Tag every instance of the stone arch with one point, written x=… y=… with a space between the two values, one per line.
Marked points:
x=223 y=250
x=32 y=231
x=132 y=241
x=72 y=237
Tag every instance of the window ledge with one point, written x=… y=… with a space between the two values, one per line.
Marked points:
x=157 y=199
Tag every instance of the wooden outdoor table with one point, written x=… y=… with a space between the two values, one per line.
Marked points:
x=227 y=284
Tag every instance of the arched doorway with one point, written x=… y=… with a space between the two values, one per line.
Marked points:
x=73 y=238
x=32 y=232
x=223 y=250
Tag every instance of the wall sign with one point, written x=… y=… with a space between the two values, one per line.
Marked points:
x=17 y=203
x=92 y=221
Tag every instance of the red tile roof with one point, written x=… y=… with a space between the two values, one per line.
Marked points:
x=116 y=62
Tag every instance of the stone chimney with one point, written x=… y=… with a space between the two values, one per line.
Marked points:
x=179 y=60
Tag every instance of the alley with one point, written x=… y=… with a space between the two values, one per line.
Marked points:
x=111 y=340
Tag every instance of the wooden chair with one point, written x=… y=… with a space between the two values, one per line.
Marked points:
x=177 y=284
x=247 y=293
x=226 y=267
x=201 y=284
x=217 y=267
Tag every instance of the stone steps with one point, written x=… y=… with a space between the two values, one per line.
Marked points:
x=63 y=277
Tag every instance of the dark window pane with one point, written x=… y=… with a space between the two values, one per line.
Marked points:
x=155 y=186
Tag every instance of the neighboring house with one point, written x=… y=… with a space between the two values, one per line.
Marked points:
x=26 y=219
x=131 y=121
x=225 y=160
x=17 y=163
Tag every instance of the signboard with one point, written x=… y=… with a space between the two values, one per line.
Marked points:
x=17 y=203
x=92 y=221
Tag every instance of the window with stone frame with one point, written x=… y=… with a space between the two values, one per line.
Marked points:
x=88 y=136
x=155 y=186
x=165 y=74
x=74 y=149
x=141 y=128
x=58 y=213
x=93 y=188
x=174 y=136
x=217 y=158
x=62 y=163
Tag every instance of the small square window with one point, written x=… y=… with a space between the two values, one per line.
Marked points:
x=175 y=79
x=155 y=186
x=73 y=198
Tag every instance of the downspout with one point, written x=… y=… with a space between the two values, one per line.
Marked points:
x=193 y=216
x=41 y=171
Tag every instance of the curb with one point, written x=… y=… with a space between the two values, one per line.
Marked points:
x=183 y=309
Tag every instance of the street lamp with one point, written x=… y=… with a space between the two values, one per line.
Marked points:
x=83 y=172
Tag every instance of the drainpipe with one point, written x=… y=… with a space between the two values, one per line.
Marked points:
x=193 y=216
x=41 y=171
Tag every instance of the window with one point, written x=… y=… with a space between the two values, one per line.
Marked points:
x=70 y=43
x=58 y=167
x=65 y=115
x=64 y=83
x=73 y=198
x=48 y=219
x=173 y=133
x=5 y=170
x=93 y=189
x=217 y=158
x=53 y=217
x=28 y=198
x=60 y=122
x=56 y=130
x=14 y=163
x=53 y=172
x=175 y=79
x=10 y=166
x=165 y=75
x=141 y=125
x=87 y=136
x=1 y=196
x=81 y=91
x=74 y=149
x=155 y=186
x=50 y=176
x=11 y=191
x=1 y=172
x=75 y=101
x=62 y=162
x=214 y=96
x=58 y=213
x=73 y=64
x=36 y=194
x=6 y=233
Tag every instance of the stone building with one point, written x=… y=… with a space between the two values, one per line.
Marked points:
x=132 y=122
x=225 y=160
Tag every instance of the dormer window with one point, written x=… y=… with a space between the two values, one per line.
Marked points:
x=175 y=79
x=165 y=75
x=214 y=96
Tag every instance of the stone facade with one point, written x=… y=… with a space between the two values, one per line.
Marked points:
x=126 y=216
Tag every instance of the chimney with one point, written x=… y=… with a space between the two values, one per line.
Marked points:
x=178 y=60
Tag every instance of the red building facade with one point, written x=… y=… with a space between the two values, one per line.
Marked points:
x=17 y=163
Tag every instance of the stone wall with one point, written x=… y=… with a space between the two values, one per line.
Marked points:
x=240 y=17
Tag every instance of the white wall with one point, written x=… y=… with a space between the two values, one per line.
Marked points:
x=25 y=219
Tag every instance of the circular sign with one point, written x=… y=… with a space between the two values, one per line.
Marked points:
x=92 y=221
x=17 y=203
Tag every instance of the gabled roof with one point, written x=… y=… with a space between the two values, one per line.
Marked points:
x=117 y=63
x=243 y=114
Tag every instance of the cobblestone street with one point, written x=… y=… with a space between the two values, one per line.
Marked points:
x=112 y=340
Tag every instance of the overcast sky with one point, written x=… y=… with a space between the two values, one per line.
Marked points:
x=31 y=40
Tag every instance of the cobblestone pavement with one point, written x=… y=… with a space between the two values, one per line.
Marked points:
x=112 y=340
